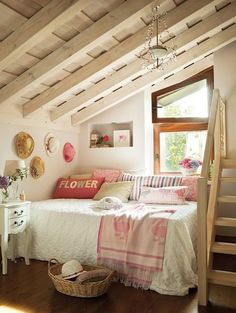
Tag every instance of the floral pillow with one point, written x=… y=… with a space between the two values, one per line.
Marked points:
x=164 y=195
x=191 y=183
x=110 y=175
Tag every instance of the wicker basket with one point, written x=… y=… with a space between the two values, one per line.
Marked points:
x=76 y=289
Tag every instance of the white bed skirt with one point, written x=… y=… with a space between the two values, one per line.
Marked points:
x=68 y=228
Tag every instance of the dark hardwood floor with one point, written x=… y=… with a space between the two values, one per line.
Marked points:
x=28 y=289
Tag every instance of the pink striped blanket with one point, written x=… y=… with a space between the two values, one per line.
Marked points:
x=132 y=242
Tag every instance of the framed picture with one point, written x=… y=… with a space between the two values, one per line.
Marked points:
x=121 y=138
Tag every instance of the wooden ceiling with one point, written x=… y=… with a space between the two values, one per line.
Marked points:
x=77 y=58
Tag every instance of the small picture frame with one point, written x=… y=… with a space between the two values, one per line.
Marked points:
x=121 y=138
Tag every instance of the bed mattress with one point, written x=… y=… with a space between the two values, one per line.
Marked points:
x=68 y=228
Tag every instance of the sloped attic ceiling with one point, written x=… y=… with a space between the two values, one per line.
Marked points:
x=76 y=58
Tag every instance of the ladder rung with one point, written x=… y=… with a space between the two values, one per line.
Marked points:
x=227 y=199
x=228 y=163
x=222 y=278
x=224 y=247
x=226 y=221
x=228 y=179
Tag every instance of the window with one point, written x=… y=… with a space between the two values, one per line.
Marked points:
x=180 y=118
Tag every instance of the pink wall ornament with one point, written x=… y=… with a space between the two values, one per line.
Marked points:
x=68 y=152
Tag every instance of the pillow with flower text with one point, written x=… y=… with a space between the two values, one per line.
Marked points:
x=164 y=195
x=77 y=188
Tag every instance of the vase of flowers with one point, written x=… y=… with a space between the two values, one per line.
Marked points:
x=7 y=181
x=4 y=184
x=189 y=166
x=104 y=141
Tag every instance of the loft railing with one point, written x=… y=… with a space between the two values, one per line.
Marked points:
x=215 y=136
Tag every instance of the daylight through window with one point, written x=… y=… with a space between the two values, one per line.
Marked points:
x=180 y=116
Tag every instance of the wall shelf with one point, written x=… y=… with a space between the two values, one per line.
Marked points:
x=111 y=135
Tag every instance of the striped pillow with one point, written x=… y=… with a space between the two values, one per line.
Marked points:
x=155 y=181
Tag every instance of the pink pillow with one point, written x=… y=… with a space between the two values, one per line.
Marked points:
x=164 y=195
x=77 y=188
x=110 y=175
x=191 y=183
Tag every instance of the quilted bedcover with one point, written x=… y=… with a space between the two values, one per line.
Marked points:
x=68 y=228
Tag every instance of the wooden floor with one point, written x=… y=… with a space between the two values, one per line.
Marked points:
x=27 y=289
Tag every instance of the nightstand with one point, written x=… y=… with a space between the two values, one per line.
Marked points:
x=14 y=219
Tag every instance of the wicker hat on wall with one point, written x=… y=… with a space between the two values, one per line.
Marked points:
x=68 y=152
x=24 y=145
x=52 y=145
x=37 y=167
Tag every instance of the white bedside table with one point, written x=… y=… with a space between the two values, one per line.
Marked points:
x=14 y=218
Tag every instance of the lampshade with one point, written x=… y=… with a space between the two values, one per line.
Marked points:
x=158 y=51
x=12 y=165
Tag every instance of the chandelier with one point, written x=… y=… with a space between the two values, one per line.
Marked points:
x=156 y=54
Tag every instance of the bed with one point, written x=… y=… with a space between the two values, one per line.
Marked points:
x=68 y=228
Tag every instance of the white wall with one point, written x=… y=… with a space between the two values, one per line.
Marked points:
x=225 y=80
x=136 y=109
x=12 y=123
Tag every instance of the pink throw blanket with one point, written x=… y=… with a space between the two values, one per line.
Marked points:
x=132 y=242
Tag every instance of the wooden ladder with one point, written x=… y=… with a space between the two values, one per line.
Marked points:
x=219 y=277
x=208 y=209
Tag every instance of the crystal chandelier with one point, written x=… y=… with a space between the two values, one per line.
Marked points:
x=156 y=55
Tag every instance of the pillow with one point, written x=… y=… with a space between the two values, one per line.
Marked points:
x=77 y=188
x=79 y=176
x=150 y=181
x=164 y=195
x=111 y=175
x=120 y=190
x=191 y=183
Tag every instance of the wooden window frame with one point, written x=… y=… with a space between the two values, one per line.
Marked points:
x=178 y=124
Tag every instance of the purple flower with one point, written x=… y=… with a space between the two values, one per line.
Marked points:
x=4 y=182
x=194 y=164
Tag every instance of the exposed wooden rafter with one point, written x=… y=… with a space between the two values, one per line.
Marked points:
x=179 y=16
x=184 y=74
x=83 y=42
x=195 y=34
x=38 y=27
x=192 y=55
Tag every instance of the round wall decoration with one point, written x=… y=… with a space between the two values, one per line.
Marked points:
x=24 y=145
x=37 y=167
x=68 y=152
x=52 y=144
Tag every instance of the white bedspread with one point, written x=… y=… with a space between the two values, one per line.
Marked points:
x=66 y=229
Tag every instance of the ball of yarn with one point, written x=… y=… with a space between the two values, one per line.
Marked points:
x=71 y=269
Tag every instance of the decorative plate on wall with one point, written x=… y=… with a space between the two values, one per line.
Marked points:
x=37 y=167
x=24 y=145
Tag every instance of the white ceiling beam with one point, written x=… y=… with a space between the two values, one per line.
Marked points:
x=179 y=16
x=196 y=33
x=43 y=23
x=192 y=55
x=184 y=74
x=81 y=43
